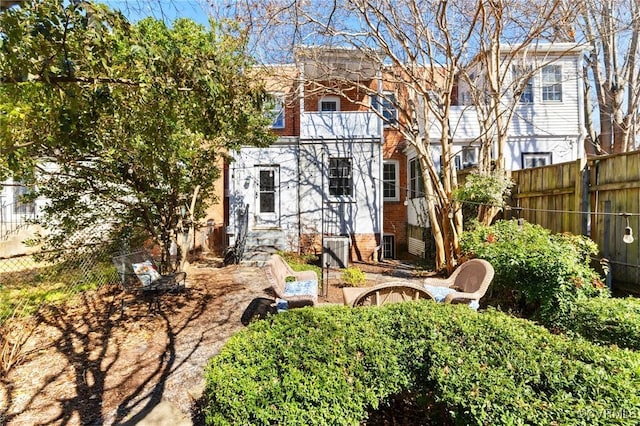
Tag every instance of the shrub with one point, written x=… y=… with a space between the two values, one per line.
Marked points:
x=353 y=277
x=548 y=270
x=608 y=321
x=334 y=365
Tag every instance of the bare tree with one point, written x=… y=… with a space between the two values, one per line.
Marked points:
x=612 y=29
x=423 y=49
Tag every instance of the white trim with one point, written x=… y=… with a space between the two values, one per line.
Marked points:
x=335 y=99
x=278 y=97
x=396 y=165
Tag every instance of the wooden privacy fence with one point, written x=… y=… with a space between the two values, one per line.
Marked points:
x=598 y=197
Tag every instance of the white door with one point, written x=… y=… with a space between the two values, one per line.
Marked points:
x=268 y=196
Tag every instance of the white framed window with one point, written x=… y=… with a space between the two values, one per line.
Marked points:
x=276 y=112
x=386 y=104
x=522 y=84
x=535 y=159
x=552 y=83
x=340 y=177
x=416 y=183
x=329 y=104
x=267 y=191
x=468 y=157
x=390 y=180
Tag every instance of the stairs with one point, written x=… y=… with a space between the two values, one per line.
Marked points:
x=260 y=244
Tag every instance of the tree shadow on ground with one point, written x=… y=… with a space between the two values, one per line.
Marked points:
x=94 y=355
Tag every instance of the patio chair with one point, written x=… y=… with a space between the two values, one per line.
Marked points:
x=140 y=277
x=467 y=284
x=299 y=290
x=382 y=294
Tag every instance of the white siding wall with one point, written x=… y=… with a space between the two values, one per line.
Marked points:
x=244 y=184
x=551 y=117
x=359 y=214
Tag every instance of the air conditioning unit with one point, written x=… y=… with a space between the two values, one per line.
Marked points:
x=335 y=252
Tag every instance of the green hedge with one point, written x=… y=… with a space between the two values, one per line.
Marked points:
x=334 y=365
x=608 y=321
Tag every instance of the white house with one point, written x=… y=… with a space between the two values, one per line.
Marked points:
x=547 y=125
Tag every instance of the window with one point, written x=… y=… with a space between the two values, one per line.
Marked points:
x=340 y=180
x=416 y=183
x=267 y=191
x=522 y=84
x=469 y=156
x=535 y=159
x=387 y=106
x=390 y=181
x=276 y=112
x=552 y=83
x=388 y=246
x=20 y=204
x=329 y=104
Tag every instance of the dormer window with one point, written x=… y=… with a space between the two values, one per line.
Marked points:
x=329 y=104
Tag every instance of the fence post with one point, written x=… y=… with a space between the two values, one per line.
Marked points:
x=582 y=195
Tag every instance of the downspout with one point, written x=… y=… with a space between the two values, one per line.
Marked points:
x=380 y=184
x=581 y=113
x=300 y=112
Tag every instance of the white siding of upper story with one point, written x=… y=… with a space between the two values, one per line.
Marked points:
x=543 y=118
x=548 y=118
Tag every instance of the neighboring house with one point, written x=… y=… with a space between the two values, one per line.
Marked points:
x=547 y=125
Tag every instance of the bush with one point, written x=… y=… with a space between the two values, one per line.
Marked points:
x=334 y=365
x=353 y=277
x=548 y=270
x=607 y=321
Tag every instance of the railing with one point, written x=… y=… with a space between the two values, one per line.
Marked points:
x=234 y=254
x=15 y=217
x=339 y=124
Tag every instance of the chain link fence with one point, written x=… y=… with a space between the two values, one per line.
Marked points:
x=29 y=282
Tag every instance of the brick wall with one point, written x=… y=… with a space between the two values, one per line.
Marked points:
x=363 y=247
x=395 y=212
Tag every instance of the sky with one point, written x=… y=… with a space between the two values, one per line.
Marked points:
x=167 y=10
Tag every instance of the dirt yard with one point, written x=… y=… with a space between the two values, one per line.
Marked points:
x=85 y=364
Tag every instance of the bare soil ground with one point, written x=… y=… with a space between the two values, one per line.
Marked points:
x=86 y=364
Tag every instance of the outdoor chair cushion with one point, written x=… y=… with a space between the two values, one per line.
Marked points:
x=146 y=272
x=297 y=288
x=440 y=293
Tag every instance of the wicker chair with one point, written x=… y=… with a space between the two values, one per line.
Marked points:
x=301 y=291
x=467 y=284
